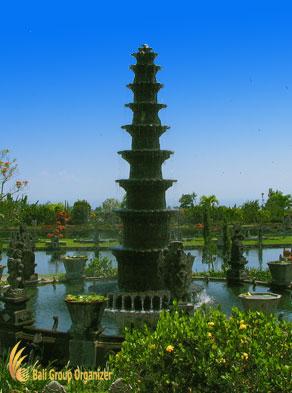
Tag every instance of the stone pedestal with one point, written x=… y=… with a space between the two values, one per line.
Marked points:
x=237 y=273
x=86 y=318
x=14 y=316
x=82 y=352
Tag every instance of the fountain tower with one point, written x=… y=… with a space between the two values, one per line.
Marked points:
x=146 y=221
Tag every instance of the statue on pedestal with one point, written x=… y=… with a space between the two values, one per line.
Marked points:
x=22 y=247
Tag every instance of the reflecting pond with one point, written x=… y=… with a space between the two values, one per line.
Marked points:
x=257 y=258
x=48 y=301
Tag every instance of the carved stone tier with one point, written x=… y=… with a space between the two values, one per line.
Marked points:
x=148 y=188
x=145 y=92
x=138 y=270
x=145 y=72
x=146 y=113
x=145 y=163
x=150 y=301
x=145 y=229
x=145 y=136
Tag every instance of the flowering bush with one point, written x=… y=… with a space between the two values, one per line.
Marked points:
x=208 y=353
x=62 y=219
x=7 y=171
x=287 y=256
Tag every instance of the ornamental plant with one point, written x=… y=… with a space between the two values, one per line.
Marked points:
x=93 y=298
x=286 y=257
x=61 y=221
x=100 y=267
x=208 y=353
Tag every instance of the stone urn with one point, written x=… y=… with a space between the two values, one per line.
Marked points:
x=260 y=301
x=74 y=267
x=281 y=272
x=86 y=312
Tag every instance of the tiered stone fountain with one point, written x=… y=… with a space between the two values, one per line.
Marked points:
x=150 y=274
x=146 y=219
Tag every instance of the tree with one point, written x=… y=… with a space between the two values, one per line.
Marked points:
x=187 y=200
x=209 y=201
x=8 y=170
x=278 y=204
x=110 y=204
x=207 y=231
x=108 y=209
x=80 y=212
x=250 y=212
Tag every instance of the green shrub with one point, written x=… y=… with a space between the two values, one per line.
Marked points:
x=100 y=267
x=208 y=353
x=257 y=274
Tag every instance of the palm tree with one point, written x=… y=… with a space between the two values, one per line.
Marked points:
x=208 y=201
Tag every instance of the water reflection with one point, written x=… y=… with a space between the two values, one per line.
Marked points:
x=227 y=297
x=47 y=301
x=49 y=263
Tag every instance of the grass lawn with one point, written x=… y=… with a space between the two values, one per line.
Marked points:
x=71 y=243
x=271 y=240
x=198 y=241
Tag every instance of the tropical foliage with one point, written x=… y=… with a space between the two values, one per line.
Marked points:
x=208 y=353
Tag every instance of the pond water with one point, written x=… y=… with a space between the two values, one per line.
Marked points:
x=48 y=301
x=257 y=258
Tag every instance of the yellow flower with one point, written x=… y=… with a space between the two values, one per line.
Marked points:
x=241 y=322
x=139 y=380
x=242 y=326
x=222 y=361
x=153 y=346
x=244 y=356
x=209 y=334
x=211 y=323
x=169 y=348
x=231 y=318
x=243 y=341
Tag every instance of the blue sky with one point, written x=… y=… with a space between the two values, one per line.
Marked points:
x=227 y=71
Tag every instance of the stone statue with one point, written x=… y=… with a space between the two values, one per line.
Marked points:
x=22 y=247
x=15 y=271
x=237 y=273
x=237 y=246
x=176 y=270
